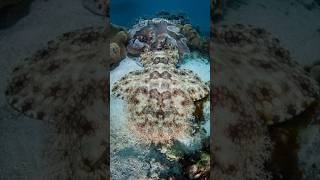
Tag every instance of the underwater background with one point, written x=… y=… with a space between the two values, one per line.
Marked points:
x=127 y=12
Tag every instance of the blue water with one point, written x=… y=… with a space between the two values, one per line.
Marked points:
x=126 y=12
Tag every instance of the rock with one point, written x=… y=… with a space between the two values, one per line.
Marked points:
x=193 y=37
x=121 y=38
x=194 y=40
x=115 y=52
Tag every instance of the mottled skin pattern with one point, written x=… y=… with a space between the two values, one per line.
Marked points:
x=257 y=86
x=65 y=84
x=160 y=98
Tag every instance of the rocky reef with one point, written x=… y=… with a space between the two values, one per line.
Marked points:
x=118 y=42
